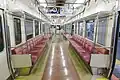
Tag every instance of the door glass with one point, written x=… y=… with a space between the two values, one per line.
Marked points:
x=36 y=28
x=116 y=72
x=90 y=29
x=80 y=28
x=1 y=36
x=102 y=30
x=40 y=28
x=17 y=28
x=75 y=27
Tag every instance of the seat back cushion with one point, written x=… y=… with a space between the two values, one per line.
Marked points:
x=102 y=51
x=18 y=50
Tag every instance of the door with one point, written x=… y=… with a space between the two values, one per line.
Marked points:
x=4 y=70
x=116 y=71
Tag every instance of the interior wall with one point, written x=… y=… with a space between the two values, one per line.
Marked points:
x=98 y=6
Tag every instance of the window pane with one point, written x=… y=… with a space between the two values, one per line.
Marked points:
x=102 y=31
x=29 y=29
x=1 y=36
x=36 y=27
x=80 y=28
x=90 y=29
x=17 y=28
x=75 y=27
x=72 y=32
x=43 y=27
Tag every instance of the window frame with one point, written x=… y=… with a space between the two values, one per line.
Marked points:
x=16 y=30
x=30 y=35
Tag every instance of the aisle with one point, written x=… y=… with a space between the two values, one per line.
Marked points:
x=59 y=65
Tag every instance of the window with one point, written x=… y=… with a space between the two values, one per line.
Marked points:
x=80 y=28
x=17 y=30
x=75 y=27
x=29 y=29
x=102 y=30
x=90 y=29
x=1 y=36
x=40 y=28
x=58 y=27
x=36 y=28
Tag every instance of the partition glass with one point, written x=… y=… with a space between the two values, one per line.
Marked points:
x=17 y=31
x=90 y=29
x=102 y=31
x=29 y=29
x=1 y=36
x=36 y=28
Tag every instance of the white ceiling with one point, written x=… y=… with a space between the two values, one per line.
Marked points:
x=51 y=1
x=68 y=8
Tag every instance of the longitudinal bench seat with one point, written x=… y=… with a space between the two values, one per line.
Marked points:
x=85 y=48
x=66 y=35
x=34 y=47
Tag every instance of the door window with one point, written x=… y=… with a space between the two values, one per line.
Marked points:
x=17 y=30
x=1 y=36
x=90 y=29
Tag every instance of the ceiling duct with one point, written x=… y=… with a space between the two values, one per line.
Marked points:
x=60 y=2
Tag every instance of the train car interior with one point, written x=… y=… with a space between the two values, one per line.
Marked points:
x=59 y=39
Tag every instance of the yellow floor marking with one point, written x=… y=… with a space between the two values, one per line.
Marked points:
x=101 y=79
x=117 y=61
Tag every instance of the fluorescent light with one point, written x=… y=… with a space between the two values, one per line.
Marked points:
x=79 y=1
x=43 y=3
